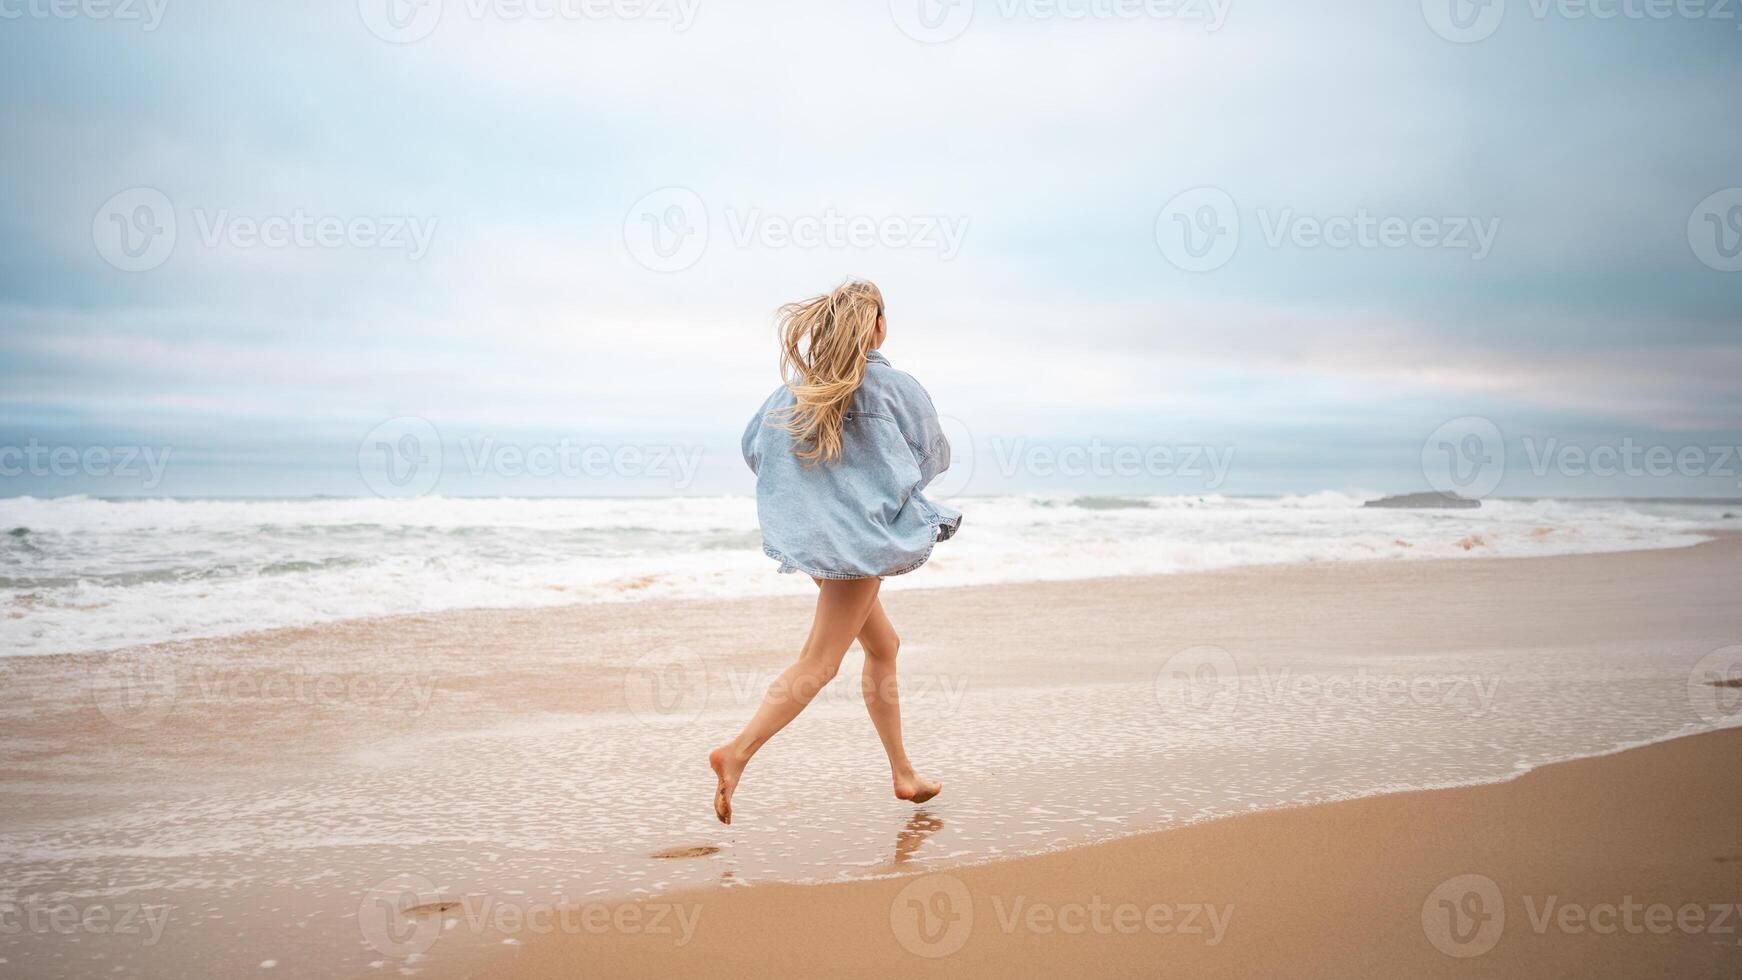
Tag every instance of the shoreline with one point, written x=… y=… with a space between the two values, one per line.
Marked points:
x=1709 y=537
x=1520 y=850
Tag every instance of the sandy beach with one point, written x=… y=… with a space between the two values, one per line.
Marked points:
x=478 y=792
x=1625 y=865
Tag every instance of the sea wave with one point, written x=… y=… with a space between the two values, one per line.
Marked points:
x=80 y=573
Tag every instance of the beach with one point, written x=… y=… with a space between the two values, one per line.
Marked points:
x=1316 y=745
x=1624 y=865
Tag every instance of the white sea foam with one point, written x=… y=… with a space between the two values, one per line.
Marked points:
x=88 y=574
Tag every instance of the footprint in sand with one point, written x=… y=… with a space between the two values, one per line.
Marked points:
x=692 y=851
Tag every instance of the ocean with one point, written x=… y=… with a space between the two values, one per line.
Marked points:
x=87 y=574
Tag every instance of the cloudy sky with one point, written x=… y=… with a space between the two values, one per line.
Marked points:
x=1323 y=241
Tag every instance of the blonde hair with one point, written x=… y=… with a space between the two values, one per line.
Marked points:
x=824 y=341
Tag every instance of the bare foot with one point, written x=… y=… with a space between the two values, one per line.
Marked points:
x=916 y=790
x=727 y=768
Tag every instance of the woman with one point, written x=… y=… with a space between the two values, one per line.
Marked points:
x=841 y=451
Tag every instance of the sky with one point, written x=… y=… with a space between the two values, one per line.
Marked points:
x=1129 y=246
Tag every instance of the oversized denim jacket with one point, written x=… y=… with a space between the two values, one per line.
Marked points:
x=862 y=515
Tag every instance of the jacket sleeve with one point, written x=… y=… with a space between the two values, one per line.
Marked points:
x=747 y=444
x=919 y=424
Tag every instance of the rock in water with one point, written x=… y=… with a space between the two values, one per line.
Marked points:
x=1430 y=499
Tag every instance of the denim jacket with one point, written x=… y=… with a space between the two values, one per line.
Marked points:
x=862 y=515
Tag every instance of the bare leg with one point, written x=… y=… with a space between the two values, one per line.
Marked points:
x=883 y=700
x=842 y=605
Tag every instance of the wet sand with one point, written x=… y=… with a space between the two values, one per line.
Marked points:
x=1624 y=865
x=286 y=796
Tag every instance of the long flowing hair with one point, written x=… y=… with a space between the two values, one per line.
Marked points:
x=824 y=341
